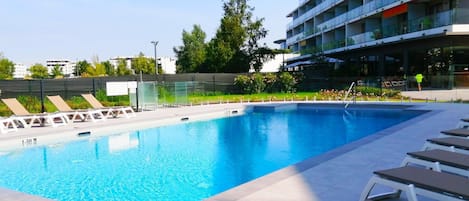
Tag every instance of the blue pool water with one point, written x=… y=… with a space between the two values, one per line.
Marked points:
x=190 y=161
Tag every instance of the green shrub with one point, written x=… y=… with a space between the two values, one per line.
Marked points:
x=374 y=91
x=243 y=82
x=78 y=102
x=270 y=80
x=258 y=84
x=31 y=103
x=287 y=82
x=101 y=95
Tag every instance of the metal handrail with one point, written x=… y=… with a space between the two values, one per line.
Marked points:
x=348 y=92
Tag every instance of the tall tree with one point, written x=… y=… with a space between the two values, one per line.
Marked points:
x=122 y=68
x=191 y=56
x=82 y=66
x=109 y=68
x=7 y=68
x=38 y=71
x=143 y=64
x=95 y=71
x=56 y=72
x=236 y=40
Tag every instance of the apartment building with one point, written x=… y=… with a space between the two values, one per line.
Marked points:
x=21 y=71
x=67 y=67
x=168 y=64
x=391 y=40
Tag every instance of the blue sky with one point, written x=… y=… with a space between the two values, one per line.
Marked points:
x=33 y=31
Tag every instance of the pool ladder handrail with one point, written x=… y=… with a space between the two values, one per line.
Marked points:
x=348 y=92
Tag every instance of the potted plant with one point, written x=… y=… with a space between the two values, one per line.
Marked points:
x=426 y=23
x=377 y=34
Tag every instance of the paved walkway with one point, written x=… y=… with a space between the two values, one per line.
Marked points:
x=455 y=95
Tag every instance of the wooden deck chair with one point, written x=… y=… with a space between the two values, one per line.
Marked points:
x=7 y=125
x=418 y=181
x=75 y=115
x=127 y=111
x=25 y=119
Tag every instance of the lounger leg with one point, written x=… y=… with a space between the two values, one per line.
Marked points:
x=389 y=195
x=366 y=192
x=411 y=195
x=435 y=166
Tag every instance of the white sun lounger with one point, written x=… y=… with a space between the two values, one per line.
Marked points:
x=127 y=111
x=453 y=144
x=418 y=181
x=76 y=115
x=7 y=125
x=440 y=160
x=25 y=119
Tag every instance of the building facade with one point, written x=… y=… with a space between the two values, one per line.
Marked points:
x=167 y=64
x=386 y=40
x=21 y=71
x=67 y=67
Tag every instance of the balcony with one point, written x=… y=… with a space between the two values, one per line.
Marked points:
x=313 y=12
x=295 y=38
x=438 y=20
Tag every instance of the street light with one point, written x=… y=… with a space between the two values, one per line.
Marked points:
x=155 y=43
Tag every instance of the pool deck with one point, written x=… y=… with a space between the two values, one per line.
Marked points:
x=340 y=174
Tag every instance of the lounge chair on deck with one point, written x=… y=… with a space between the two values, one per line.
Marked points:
x=463 y=123
x=127 y=111
x=419 y=181
x=459 y=132
x=75 y=115
x=440 y=160
x=27 y=120
x=7 y=125
x=453 y=144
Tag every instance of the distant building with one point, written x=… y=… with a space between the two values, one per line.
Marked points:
x=279 y=61
x=168 y=64
x=115 y=61
x=67 y=66
x=21 y=71
x=275 y=64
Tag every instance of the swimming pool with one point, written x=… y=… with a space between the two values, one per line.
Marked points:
x=189 y=161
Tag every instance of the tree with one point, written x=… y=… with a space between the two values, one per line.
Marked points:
x=95 y=71
x=143 y=65
x=7 y=68
x=191 y=56
x=82 y=66
x=38 y=71
x=122 y=68
x=56 y=72
x=109 y=68
x=235 y=45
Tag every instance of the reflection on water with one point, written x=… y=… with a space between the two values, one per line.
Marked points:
x=121 y=142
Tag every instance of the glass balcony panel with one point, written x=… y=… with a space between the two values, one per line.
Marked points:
x=461 y=16
x=361 y=38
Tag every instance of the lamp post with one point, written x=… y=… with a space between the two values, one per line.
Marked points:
x=155 y=43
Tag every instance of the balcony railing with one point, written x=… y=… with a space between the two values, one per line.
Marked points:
x=296 y=38
x=339 y=20
x=455 y=16
x=311 y=13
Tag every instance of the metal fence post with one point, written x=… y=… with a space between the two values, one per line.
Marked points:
x=41 y=86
